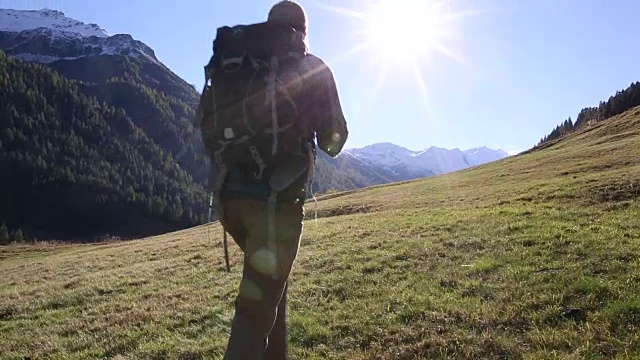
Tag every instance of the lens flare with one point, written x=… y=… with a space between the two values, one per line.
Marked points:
x=404 y=35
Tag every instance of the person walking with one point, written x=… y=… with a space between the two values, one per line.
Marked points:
x=261 y=184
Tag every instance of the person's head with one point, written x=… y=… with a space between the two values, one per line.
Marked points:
x=291 y=13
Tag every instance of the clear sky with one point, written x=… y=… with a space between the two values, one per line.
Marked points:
x=510 y=70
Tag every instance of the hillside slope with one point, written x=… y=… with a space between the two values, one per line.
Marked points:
x=595 y=163
x=534 y=256
x=622 y=101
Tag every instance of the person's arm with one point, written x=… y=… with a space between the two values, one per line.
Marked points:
x=323 y=106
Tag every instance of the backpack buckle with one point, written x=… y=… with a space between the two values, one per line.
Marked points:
x=233 y=64
x=229 y=133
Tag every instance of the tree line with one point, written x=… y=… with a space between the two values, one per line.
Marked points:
x=622 y=101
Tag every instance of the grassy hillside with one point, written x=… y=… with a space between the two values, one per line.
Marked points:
x=533 y=257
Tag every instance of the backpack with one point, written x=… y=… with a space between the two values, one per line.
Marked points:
x=248 y=107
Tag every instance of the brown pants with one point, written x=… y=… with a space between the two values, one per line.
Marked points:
x=259 y=329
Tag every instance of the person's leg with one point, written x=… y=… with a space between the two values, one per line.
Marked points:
x=258 y=301
x=232 y=222
x=278 y=340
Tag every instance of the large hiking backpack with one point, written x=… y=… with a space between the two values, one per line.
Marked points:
x=248 y=108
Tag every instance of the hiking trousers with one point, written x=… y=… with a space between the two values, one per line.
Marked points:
x=259 y=326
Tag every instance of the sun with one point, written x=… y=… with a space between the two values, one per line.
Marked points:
x=406 y=36
x=404 y=32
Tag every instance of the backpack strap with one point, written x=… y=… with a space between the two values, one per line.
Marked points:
x=271 y=100
x=273 y=87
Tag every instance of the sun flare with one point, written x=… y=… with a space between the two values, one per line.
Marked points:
x=406 y=31
x=404 y=36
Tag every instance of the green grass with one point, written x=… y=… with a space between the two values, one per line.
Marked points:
x=533 y=257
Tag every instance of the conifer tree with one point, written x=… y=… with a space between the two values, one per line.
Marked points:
x=4 y=234
x=18 y=236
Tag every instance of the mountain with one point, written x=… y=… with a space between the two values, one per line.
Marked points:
x=48 y=35
x=483 y=155
x=23 y=20
x=97 y=133
x=115 y=69
x=98 y=138
x=400 y=164
x=73 y=166
x=384 y=163
x=346 y=172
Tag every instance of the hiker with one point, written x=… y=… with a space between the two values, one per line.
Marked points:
x=263 y=144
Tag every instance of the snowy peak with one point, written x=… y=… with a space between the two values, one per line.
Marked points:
x=387 y=155
x=481 y=155
x=386 y=149
x=48 y=35
x=21 y=20
x=433 y=160
x=485 y=150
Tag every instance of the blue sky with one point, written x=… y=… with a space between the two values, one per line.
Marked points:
x=522 y=66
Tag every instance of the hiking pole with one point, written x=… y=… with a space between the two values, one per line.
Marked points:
x=210 y=207
x=224 y=238
x=226 y=252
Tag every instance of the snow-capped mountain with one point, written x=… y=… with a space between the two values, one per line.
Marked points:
x=483 y=155
x=48 y=35
x=21 y=20
x=433 y=161
x=114 y=69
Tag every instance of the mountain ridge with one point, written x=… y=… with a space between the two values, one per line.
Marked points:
x=46 y=36
x=12 y=20
x=410 y=164
x=149 y=179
